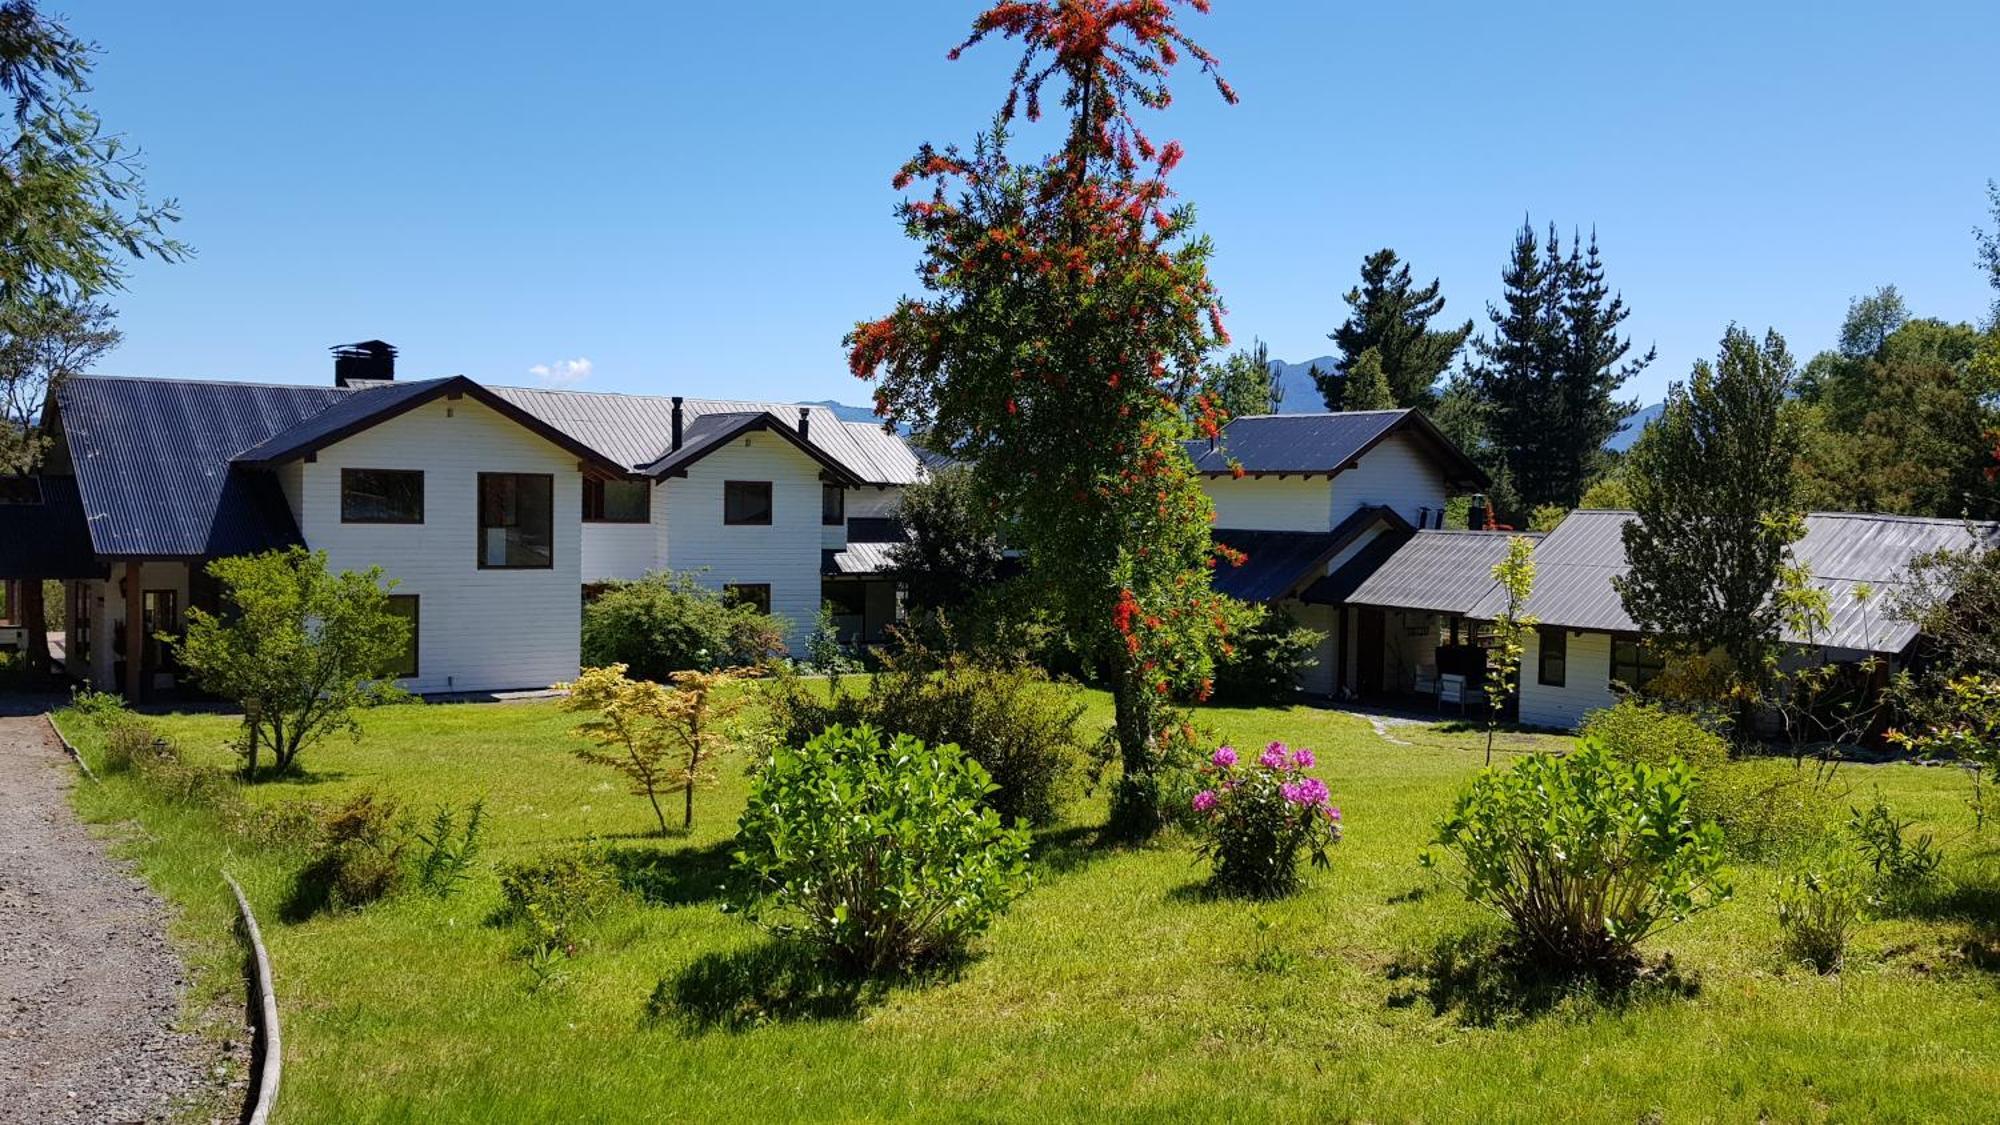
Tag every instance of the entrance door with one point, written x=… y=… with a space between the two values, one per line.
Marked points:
x=1368 y=654
x=162 y=615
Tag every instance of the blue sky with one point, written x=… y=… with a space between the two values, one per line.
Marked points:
x=695 y=197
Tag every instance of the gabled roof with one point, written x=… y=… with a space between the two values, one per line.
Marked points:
x=1324 y=443
x=46 y=536
x=1279 y=563
x=1440 y=571
x=711 y=432
x=1575 y=563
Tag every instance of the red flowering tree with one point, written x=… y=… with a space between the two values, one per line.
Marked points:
x=1066 y=309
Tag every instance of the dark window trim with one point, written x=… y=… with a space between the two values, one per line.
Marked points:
x=732 y=593
x=479 y=528
x=839 y=514
x=421 y=489
x=1638 y=641
x=416 y=636
x=1561 y=637
x=645 y=516
x=770 y=505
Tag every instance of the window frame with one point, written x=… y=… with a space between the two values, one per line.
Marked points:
x=770 y=503
x=347 y=472
x=416 y=637
x=480 y=526
x=733 y=595
x=837 y=517
x=1642 y=657
x=598 y=484
x=1561 y=637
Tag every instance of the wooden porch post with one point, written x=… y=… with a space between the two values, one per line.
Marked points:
x=135 y=633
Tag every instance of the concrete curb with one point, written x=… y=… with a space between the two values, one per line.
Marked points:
x=70 y=749
x=267 y=1055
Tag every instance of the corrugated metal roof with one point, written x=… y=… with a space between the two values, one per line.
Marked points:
x=46 y=534
x=151 y=458
x=355 y=408
x=1279 y=562
x=1441 y=571
x=1343 y=580
x=1575 y=564
x=1322 y=443
x=710 y=432
x=859 y=558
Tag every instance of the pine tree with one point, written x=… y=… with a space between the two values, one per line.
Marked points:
x=1367 y=385
x=1514 y=371
x=1393 y=317
x=1594 y=368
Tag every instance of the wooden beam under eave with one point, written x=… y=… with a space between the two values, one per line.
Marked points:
x=135 y=632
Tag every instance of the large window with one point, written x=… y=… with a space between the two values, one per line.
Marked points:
x=1553 y=670
x=746 y=502
x=754 y=594
x=832 y=505
x=404 y=666
x=617 y=501
x=1633 y=664
x=381 y=496
x=517 y=521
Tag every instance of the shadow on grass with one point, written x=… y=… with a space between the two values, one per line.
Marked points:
x=1060 y=851
x=777 y=982
x=675 y=876
x=1486 y=982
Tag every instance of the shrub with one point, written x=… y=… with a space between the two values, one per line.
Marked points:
x=99 y=707
x=446 y=851
x=1257 y=819
x=1585 y=855
x=1268 y=658
x=666 y=623
x=131 y=743
x=658 y=737
x=824 y=653
x=1818 y=905
x=1906 y=874
x=557 y=892
x=880 y=855
x=358 y=858
x=1637 y=731
x=1020 y=726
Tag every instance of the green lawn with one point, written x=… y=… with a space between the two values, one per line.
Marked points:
x=1113 y=990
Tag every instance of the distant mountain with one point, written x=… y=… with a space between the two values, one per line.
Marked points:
x=1294 y=380
x=1629 y=432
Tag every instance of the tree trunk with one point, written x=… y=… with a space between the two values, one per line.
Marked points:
x=687 y=811
x=654 y=797
x=35 y=620
x=1135 y=804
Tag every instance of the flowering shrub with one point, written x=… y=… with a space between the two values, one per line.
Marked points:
x=1257 y=818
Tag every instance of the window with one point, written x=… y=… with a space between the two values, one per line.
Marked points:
x=517 y=521
x=755 y=594
x=617 y=501
x=746 y=502
x=381 y=496
x=1632 y=663
x=832 y=505
x=404 y=666
x=1554 y=668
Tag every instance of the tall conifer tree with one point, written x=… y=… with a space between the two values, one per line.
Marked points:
x=1391 y=315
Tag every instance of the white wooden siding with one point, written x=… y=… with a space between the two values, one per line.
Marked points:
x=624 y=550
x=479 y=630
x=1586 y=681
x=1270 y=503
x=785 y=555
x=1397 y=474
x=873 y=501
x=107 y=616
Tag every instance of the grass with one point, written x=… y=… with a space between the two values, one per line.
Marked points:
x=1115 y=989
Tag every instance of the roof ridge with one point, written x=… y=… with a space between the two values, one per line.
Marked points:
x=216 y=382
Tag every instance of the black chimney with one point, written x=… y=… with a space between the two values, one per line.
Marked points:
x=805 y=422
x=677 y=423
x=369 y=359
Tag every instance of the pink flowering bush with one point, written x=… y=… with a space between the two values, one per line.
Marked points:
x=1257 y=817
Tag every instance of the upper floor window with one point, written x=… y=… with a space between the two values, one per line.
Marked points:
x=832 y=505
x=617 y=501
x=746 y=502
x=1554 y=667
x=517 y=523
x=381 y=496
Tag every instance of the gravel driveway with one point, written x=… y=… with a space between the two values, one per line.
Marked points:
x=90 y=992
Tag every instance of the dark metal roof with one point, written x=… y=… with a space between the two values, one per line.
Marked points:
x=1442 y=571
x=1842 y=551
x=44 y=533
x=1343 y=580
x=1323 y=443
x=1280 y=562
x=710 y=432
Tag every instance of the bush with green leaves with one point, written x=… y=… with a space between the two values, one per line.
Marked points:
x=98 y=707
x=557 y=892
x=1819 y=904
x=666 y=623
x=824 y=653
x=447 y=849
x=1019 y=725
x=1585 y=855
x=358 y=859
x=880 y=854
x=1906 y=872
x=131 y=743
x=1266 y=659
x=1635 y=730
x=1256 y=820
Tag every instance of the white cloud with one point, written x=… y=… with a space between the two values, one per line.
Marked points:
x=562 y=372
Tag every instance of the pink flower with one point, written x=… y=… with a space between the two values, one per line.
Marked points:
x=1225 y=756
x=1205 y=800
x=1333 y=813
x=1304 y=759
x=1273 y=757
x=1308 y=791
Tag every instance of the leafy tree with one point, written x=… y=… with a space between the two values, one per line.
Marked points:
x=660 y=738
x=1712 y=483
x=1241 y=384
x=951 y=548
x=299 y=649
x=1066 y=302
x=1391 y=316
x=1366 y=387
x=1989 y=248
x=667 y=622
x=1516 y=575
x=1607 y=492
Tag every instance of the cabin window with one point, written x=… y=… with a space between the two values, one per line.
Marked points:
x=1633 y=663
x=756 y=595
x=517 y=521
x=617 y=501
x=381 y=496
x=746 y=502
x=1553 y=670
x=832 y=505
x=404 y=665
